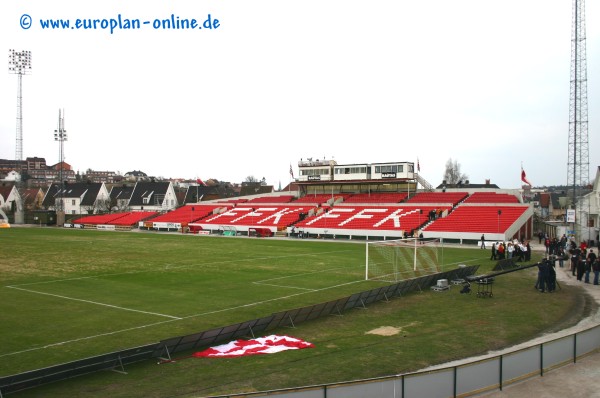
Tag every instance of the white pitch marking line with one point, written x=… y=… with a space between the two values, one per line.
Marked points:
x=95 y=303
x=284 y=286
x=168 y=321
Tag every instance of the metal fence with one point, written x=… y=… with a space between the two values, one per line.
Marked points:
x=165 y=348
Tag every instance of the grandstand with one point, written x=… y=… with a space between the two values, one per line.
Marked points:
x=496 y=221
x=378 y=215
x=126 y=219
x=364 y=201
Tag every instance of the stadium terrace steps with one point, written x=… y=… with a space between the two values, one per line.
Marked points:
x=393 y=217
x=376 y=197
x=188 y=213
x=321 y=198
x=272 y=199
x=273 y=217
x=121 y=219
x=491 y=197
x=482 y=219
x=438 y=197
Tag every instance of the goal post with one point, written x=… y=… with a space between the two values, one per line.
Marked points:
x=400 y=259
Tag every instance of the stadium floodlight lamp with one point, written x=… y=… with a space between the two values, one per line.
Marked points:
x=19 y=62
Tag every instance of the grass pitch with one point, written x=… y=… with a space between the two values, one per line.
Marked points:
x=70 y=294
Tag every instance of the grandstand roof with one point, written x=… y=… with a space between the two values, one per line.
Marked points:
x=467 y=186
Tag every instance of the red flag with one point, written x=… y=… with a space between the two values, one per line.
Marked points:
x=199 y=181
x=524 y=177
x=261 y=345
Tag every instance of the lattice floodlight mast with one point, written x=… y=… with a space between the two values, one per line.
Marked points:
x=60 y=135
x=578 y=158
x=19 y=63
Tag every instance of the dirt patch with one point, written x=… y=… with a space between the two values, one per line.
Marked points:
x=389 y=330
x=385 y=331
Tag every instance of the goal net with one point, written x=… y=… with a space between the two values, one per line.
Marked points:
x=397 y=260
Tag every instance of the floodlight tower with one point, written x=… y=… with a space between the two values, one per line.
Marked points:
x=60 y=135
x=19 y=63
x=578 y=148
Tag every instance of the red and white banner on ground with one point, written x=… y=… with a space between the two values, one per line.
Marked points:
x=262 y=345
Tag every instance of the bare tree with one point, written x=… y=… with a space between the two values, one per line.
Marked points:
x=453 y=175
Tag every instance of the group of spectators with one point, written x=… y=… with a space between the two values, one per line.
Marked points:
x=519 y=250
x=434 y=214
x=582 y=258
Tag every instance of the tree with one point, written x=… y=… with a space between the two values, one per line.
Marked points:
x=251 y=179
x=453 y=175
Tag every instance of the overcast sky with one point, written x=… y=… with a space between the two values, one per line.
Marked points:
x=484 y=82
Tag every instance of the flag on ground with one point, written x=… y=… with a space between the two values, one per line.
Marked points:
x=262 y=345
x=524 y=177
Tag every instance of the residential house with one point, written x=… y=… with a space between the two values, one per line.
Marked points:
x=153 y=195
x=120 y=195
x=136 y=175
x=10 y=199
x=78 y=198
x=588 y=212
x=32 y=198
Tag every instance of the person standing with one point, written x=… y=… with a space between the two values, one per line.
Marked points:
x=587 y=268
x=589 y=263
x=580 y=265
x=596 y=269
x=574 y=260
x=500 y=251
x=510 y=249
x=482 y=241
x=493 y=256
x=561 y=257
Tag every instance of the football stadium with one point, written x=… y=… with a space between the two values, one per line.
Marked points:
x=371 y=269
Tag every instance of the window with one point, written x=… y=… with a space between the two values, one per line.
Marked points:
x=72 y=202
x=73 y=212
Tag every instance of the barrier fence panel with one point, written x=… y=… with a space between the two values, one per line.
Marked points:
x=521 y=364
x=558 y=352
x=587 y=341
x=383 y=387
x=479 y=376
x=433 y=384
x=114 y=360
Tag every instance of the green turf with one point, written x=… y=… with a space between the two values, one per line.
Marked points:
x=70 y=294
